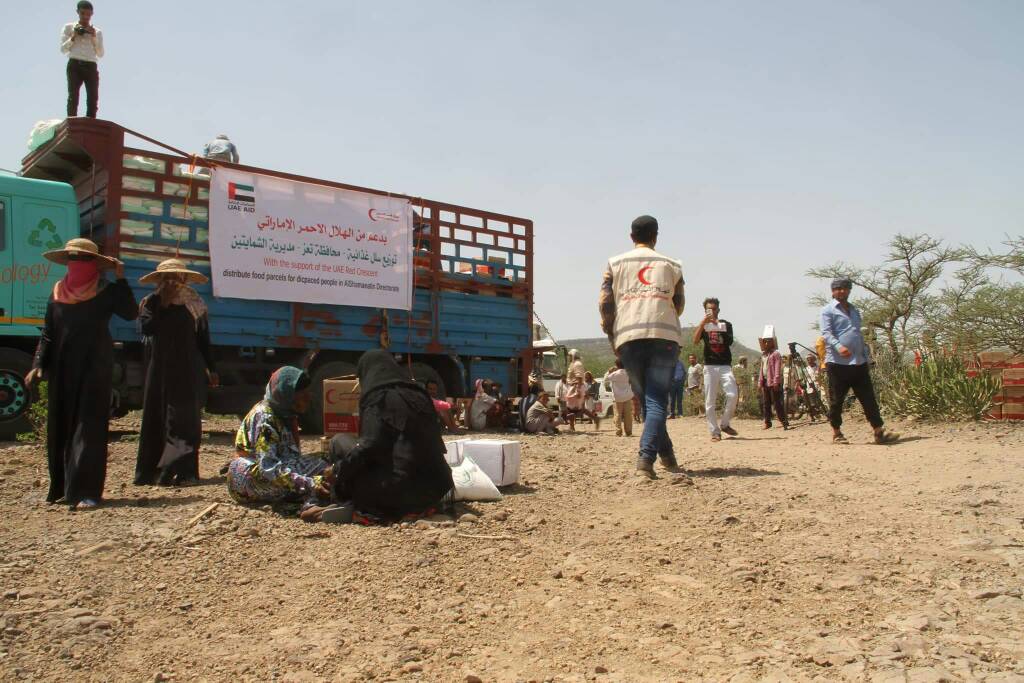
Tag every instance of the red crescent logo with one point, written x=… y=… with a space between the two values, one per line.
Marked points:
x=640 y=275
x=329 y=392
x=370 y=214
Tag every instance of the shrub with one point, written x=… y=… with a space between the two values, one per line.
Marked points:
x=37 y=416
x=939 y=389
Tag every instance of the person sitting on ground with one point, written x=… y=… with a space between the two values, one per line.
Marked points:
x=397 y=468
x=485 y=411
x=269 y=466
x=540 y=418
x=769 y=382
x=443 y=408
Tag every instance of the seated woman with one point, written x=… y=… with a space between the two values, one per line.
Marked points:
x=397 y=468
x=486 y=410
x=540 y=418
x=269 y=466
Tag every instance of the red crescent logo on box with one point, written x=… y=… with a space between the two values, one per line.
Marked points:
x=329 y=392
x=640 y=275
x=376 y=215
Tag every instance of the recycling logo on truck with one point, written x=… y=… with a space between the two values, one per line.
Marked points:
x=46 y=229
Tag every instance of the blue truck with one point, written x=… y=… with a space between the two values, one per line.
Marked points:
x=473 y=287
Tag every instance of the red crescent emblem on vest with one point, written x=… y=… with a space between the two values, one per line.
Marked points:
x=640 y=275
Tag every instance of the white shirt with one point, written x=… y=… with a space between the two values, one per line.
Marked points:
x=621 y=389
x=478 y=410
x=86 y=48
x=560 y=390
x=693 y=375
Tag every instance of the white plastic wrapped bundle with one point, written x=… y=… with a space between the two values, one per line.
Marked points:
x=42 y=133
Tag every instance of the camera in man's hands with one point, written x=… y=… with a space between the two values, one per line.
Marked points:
x=79 y=29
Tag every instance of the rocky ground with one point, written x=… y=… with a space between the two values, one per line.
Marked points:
x=788 y=559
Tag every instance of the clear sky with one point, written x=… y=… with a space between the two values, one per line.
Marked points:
x=766 y=137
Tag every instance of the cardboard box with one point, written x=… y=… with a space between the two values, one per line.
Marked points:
x=453 y=452
x=341 y=405
x=498 y=459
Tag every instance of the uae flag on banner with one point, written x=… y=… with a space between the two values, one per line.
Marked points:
x=240 y=193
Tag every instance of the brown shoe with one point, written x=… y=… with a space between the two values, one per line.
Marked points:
x=883 y=437
x=645 y=469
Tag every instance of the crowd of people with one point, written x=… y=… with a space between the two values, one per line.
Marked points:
x=396 y=468
x=641 y=301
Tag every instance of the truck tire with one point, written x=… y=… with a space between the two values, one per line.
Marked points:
x=423 y=373
x=15 y=397
x=313 y=421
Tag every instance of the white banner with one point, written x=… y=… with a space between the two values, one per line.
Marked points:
x=284 y=240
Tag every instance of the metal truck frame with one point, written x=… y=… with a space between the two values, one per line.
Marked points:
x=473 y=285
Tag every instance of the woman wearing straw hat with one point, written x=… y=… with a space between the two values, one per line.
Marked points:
x=176 y=327
x=75 y=354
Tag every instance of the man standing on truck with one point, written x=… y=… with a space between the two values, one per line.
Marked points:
x=83 y=44
x=640 y=304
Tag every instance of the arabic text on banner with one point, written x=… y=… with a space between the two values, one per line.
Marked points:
x=284 y=240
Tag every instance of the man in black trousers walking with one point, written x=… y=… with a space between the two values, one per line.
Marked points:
x=83 y=44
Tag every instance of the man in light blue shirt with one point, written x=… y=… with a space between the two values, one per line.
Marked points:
x=846 y=361
x=221 y=149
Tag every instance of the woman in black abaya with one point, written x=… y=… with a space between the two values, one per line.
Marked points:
x=75 y=354
x=175 y=324
x=397 y=468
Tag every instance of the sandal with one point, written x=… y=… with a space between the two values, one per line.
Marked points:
x=886 y=437
x=338 y=514
x=87 y=504
x=840 y=439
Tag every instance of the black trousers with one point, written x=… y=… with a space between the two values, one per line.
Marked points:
x=79 y=72
x=771 y=397
x=842 y=378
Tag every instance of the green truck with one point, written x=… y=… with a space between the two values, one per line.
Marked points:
x=46 y=216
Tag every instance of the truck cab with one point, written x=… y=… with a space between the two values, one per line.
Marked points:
x=35 y=216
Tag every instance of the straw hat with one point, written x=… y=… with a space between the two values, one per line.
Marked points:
x=80 y=246
x=172 y=266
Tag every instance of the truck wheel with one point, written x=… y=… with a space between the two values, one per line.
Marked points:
x=15 y=397
x=423 y=373
x=313 y=421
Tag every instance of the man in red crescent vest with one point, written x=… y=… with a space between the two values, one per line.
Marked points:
x=640 y=304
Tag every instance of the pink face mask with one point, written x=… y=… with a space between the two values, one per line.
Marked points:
x=81 y=274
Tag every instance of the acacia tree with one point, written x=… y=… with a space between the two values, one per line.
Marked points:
x=897 y=291
x=993 y=313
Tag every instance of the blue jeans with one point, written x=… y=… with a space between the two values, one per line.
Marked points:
x=675 y=398
x=650 y=364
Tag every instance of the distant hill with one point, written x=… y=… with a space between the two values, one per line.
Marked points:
x=598 y=356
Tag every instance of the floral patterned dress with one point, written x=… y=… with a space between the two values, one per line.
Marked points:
x=269 y=466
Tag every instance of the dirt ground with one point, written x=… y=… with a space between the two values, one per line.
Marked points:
x=788 y=559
